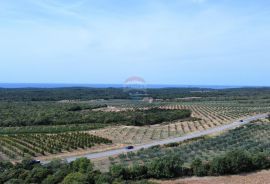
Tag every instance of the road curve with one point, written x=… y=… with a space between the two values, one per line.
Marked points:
x=167 y=141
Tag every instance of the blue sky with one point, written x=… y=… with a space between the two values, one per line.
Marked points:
x=192 y=42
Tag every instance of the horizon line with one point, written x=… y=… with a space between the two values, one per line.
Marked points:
x=119 y=85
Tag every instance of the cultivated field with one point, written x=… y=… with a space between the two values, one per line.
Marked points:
x=18 y=146
x=206 y=115
x=254 y=137
x=38 y=141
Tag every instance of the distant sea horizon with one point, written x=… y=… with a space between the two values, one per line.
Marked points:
x=65 y=85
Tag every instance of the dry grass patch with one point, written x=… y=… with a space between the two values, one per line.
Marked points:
x=261 y=177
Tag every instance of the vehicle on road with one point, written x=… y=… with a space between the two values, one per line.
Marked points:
x=241 y=120
x=34 y=162
x=129 y=147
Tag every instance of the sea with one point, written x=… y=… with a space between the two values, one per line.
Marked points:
x=60 y=85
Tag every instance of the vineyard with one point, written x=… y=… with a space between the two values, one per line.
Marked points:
x=50 y=128
x=19 y=146
x=207 y=115
x=254 y=137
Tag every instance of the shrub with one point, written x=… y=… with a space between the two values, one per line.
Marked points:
x=137 y=171
x=261 y=161
x=231 y=163
x=165 y=167
x=104 y=178
x=37 y=174
x=199 y=168
x=76 y=177
x=118 y=171
x=82 y=165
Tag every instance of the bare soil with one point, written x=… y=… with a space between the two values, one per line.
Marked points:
x=112 y=109
x=261 y=177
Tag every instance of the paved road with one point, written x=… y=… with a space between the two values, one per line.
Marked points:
x=170 y=140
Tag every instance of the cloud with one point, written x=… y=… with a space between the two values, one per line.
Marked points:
x=120 y=40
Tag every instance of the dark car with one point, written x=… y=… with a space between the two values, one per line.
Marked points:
x=241 y=120
x=129 y=147
x=35 y=162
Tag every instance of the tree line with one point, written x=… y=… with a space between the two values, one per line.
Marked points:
x=80 y=93
x=169 y=166
x=80 y=171
x=172 y=166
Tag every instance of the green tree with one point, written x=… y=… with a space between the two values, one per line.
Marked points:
x=15 y=181
x=37 y=175
x=82 y=165
x=231 y=163
x=165 y=167
x=238 y=161
x=5 y=166
x=75 y=178
x=137 y=172
x=199 y=168
x=261 y=161
x=57 y=176
x=104 y=178
x=118 y=171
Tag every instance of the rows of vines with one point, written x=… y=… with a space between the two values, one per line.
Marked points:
x=22 y=145
x=254 y=137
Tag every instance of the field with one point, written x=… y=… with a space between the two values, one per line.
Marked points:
x=254 y=137
x=50 y=128
x=60 y=123
x=18 y=146
x=261 y=177
x=206 y=115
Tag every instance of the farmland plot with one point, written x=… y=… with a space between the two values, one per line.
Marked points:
x=18 y=146
x=254 y=137
x=206 y=115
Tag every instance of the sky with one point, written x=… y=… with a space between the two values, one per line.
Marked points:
x=189 y=42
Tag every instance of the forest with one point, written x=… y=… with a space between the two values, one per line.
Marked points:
x=52 y=113
x=57 y=94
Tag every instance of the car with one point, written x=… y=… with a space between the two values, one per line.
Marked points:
x=241 y=120
x=35 y=162
x=129 y=147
